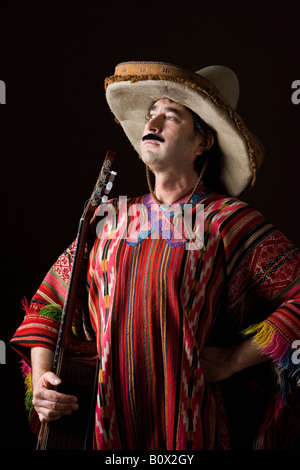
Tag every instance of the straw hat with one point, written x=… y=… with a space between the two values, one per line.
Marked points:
x=212 y=93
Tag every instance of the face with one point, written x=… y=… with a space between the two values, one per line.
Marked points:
x=169 y=140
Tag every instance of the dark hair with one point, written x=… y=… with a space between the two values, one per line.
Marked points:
x=212 y=156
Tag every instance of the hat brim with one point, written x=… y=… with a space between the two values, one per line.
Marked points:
x=130 y=97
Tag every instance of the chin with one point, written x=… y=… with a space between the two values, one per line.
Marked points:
x=148 y=158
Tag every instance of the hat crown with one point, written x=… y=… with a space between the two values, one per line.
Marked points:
x=225 y=80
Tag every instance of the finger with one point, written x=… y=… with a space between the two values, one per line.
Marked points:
x=53 y=400
x=52 y=395
x=55 y=405
x=46 y=416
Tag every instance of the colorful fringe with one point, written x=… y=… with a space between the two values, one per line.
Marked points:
x=279 y=349
x=53 y=311
x=33 y=419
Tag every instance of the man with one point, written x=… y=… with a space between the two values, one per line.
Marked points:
x=170 y=321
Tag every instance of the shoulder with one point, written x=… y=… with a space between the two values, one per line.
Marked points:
x=221 y=207
x=233 y=218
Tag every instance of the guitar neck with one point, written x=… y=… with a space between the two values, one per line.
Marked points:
x=66 y=340
x=75 y=361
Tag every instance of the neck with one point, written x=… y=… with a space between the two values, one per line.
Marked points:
x=171 y=187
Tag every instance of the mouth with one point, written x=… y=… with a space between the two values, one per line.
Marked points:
x=151 y=142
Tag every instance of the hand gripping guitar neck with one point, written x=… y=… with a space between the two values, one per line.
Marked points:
x=76 y=360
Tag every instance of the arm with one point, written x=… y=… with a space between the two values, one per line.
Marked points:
x=49 y=404
x=37 y=337
x=262 y=295
x=221 y=363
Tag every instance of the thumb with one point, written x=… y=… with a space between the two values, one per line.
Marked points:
x=49 y=379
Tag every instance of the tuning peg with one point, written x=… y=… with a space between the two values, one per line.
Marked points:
x=104 y=198
x=112 y=175
x=108 y=187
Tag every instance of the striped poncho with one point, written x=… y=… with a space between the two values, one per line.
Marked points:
x=154 y=304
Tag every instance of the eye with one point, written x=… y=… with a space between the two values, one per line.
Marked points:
x=172 y=117
x=149 y=117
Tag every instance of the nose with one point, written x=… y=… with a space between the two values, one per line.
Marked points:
x=155 y=124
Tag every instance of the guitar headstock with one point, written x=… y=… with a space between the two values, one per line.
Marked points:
x=104 y=183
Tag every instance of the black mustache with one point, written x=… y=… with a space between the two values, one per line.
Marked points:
x=153 y=137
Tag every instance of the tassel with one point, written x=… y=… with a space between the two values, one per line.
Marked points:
x=35 y=424
x=274 y=345
x=25 y=368
x=28 y=308
x=263 y=333
x=271 y=342
x=279 y=349
x=26 y=372
x=33 y=418
x=53 y=311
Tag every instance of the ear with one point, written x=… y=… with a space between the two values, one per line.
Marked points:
x=204 y=143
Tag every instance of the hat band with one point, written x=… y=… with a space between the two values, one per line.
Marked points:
x=137 y=71
x=152 y=68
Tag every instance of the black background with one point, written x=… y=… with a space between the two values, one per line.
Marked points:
x=56 y=126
